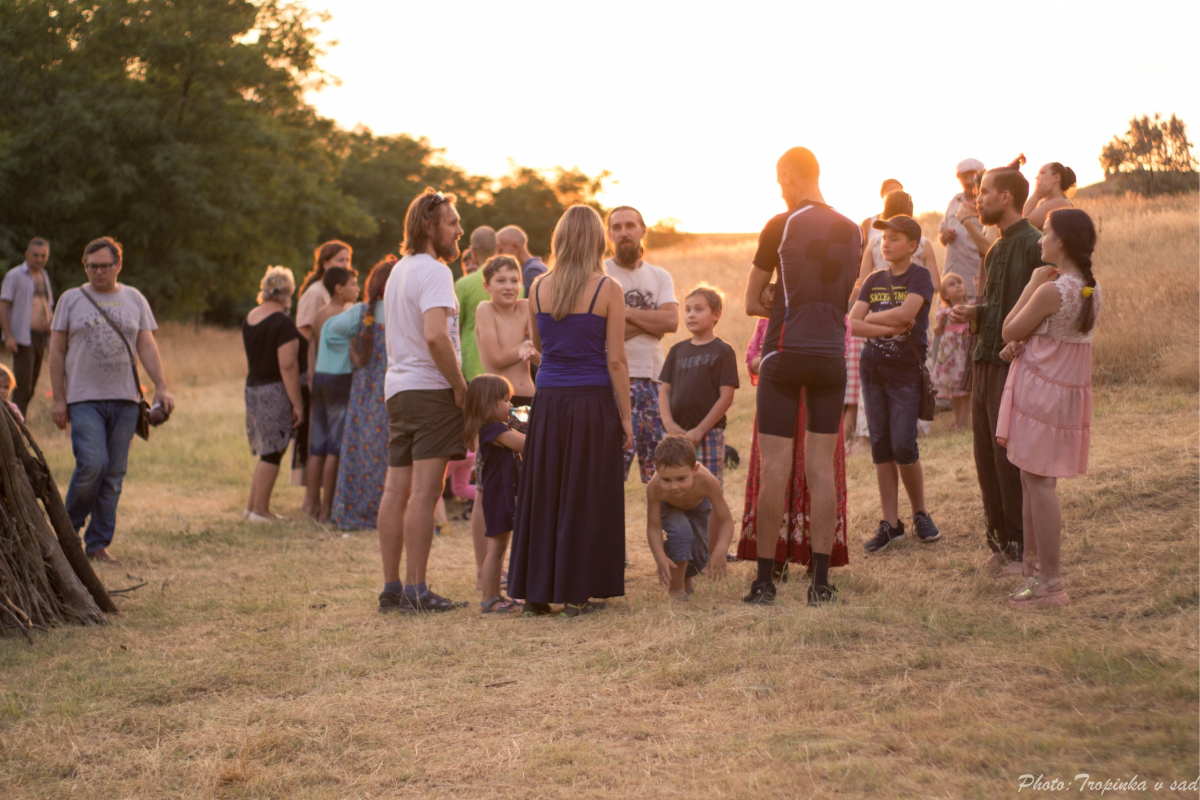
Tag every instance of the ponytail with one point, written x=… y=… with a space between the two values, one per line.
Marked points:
x=1074 y=228
x=1066 y=175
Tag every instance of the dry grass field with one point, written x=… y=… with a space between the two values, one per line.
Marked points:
x=255 y=665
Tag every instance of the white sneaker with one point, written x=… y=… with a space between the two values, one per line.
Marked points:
x=252 y=517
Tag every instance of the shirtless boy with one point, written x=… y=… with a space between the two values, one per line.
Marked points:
x=679 y=499
x=502 y=328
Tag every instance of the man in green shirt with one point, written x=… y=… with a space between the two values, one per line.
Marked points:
x=1009 y=263
x=470 y=293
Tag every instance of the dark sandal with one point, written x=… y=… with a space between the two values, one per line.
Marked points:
x=576 y=609
x=537 y=610
x=499 y=605
x=434 y=602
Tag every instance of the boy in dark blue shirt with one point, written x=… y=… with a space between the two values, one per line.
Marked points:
x=892 y=314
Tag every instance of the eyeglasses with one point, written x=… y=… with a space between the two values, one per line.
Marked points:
x=97 y=267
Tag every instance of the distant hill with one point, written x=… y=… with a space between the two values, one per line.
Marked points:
x=1142 y=183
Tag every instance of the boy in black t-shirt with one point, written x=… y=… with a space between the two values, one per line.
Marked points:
x=698 y=378
x=892 y=313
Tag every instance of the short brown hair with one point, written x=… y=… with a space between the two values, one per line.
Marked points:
x=1010 y=179
x=35 y=241
x=422 y=211
x=714 y=297
x=497 y=263
x=608 y=217
x=99 y=244
x=675 y=450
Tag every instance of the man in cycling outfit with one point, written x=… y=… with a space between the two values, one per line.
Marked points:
x=815 y=252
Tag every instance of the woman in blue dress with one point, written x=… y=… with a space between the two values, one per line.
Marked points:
x=569 y=532
x=363 y=467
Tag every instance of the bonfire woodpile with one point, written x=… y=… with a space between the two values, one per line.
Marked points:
x=45 y=578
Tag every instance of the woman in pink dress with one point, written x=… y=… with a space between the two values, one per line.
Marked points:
x=1046 y=410
x=794 y=545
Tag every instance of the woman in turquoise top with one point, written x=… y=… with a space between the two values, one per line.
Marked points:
x=364 y=457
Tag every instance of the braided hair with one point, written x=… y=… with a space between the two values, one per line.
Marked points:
x=1074 y=228
x=362 y=348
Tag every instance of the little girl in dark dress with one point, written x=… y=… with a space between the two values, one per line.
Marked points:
x=498 y=458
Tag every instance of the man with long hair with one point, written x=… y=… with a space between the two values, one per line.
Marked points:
x=651 y=312
x=424 y=391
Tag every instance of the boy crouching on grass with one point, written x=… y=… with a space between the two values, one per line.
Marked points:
x=679 y=500
x=892 y=314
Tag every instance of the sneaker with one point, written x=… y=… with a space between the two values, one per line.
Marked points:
x=762 y=593
x=822 y=594
x=885 y=534
x=393 y=601
x=926 y=530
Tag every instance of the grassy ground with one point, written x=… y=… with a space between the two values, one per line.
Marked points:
x=254 y=663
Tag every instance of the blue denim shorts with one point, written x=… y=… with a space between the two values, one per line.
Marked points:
x=686 y=532
x=330 y=397
x=892 y=392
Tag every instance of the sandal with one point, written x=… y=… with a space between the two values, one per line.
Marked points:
x=537 y=610
x=498 y=605
x=433 y=602
x=576 y=609
x=1025 y=590
x=1041 y=597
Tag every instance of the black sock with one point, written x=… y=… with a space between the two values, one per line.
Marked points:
x=766 y=570
x=820 y=569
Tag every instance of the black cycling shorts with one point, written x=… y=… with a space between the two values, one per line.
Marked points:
x=783 y=375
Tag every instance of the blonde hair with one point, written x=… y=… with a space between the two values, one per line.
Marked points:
x=277 y=284
x=576 y=253
x=483 y=392
x=5 y=372
x=946 y=280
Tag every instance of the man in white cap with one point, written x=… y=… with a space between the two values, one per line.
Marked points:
x=961 y=233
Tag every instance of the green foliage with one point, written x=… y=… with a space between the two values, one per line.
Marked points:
x=179 y=127
x=1154 y=153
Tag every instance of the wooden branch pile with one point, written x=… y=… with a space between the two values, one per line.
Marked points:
x=45 y=578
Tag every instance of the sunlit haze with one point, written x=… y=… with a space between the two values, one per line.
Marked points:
x=689 y=109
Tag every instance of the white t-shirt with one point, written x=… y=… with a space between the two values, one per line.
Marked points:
x=646 y=287
x=417 y=284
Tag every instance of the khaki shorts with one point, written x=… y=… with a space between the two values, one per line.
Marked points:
x=424 y=424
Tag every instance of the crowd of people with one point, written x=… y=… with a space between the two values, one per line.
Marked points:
x=382 y=399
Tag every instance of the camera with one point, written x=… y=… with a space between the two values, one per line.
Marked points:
x=158 y=414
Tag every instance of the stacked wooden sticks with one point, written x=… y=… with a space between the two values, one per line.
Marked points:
x=45 y=578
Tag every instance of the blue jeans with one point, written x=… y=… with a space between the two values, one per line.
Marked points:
x=101 y=431
x=892 y=391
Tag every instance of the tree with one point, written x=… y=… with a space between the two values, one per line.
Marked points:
x=180 y=128
x=1148 y=149
x=177 y=127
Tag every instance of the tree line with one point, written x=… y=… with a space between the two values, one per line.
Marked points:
x=180 y=128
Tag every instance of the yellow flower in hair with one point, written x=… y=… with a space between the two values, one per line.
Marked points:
x=1087 y=291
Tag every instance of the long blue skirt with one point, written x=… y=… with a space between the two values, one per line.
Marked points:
x=569 y=533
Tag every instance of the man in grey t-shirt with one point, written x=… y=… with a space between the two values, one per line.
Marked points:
x=95 y=392
x=651 y=312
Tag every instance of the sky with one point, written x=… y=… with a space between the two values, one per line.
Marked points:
x=689 y=109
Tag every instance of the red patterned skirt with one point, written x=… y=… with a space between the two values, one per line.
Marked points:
x=794 y=544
